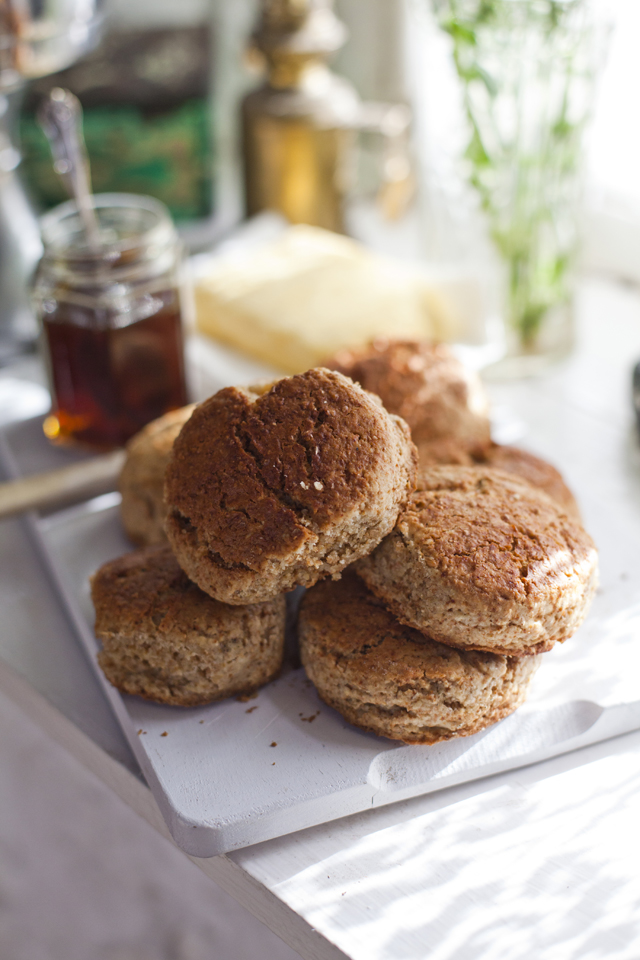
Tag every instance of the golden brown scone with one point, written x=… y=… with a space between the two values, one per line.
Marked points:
x=268 y=492
x=166 y=640
x=394 y=681
x=433 y=453
x=424 y=384
x=481 y=560
x=538 y=472
x=142 y=477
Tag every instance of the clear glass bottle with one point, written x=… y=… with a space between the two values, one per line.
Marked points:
x=111 y=320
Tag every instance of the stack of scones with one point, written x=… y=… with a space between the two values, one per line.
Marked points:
x=439 y=566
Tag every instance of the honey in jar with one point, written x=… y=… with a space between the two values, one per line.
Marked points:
x=110 y=315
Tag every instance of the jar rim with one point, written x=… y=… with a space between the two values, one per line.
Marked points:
x=63 y=234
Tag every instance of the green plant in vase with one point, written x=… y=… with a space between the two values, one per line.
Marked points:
x=526 y=69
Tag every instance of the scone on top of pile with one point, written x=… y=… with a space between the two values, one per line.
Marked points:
x=460 y=575
x=266 y=491
x=266 y=488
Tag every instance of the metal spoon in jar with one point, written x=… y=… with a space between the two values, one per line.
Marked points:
x=60 y=116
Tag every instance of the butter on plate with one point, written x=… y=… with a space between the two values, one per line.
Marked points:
x=295 y=301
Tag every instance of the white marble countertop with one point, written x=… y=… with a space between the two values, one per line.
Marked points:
x=540 y=861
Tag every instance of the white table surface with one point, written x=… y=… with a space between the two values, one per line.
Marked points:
x=543 y=861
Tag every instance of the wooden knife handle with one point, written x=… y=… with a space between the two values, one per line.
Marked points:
x=55 y=488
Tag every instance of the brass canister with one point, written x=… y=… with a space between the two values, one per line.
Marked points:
x=299 y=128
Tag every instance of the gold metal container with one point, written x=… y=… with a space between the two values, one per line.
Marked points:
x=299 y=128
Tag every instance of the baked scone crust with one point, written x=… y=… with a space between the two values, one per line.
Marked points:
x=481 y=560
x=391 y=680
x=426 y=385
x=536 y=471
x=268 y=492
x=141 y=482
x=165 y=640
x=446 y=452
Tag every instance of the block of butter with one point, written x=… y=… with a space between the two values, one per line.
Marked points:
x=296 y=300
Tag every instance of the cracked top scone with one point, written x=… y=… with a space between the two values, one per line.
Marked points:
x=481 y=560
x=265 y=492
x=165 y=640
x=424 y=384
x=394 y=681
x=141 y=480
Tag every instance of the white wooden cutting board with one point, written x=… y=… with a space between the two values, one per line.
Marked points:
x=234 y=773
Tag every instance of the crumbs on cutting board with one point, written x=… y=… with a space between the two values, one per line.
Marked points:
x=311 y=718
x=273 y=744
x=165 y=734
x=245 y=697
x=251 y=709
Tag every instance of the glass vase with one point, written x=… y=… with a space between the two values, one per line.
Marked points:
x=526 y=70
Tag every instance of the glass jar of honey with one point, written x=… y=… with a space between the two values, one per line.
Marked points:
x=110 y=313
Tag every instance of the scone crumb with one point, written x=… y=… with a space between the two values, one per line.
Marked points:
x=245 y=697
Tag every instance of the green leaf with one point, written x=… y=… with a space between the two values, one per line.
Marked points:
x=460 y=32
x=562 y=129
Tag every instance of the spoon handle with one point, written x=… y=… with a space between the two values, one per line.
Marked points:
x=60 y=116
